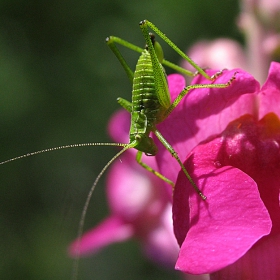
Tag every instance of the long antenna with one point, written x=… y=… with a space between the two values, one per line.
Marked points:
x=62 y=147
x=84 y=212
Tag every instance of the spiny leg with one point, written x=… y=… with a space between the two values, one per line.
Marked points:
x=138 y=159
x=175 y=155
x=186 y=90
x=144 y=27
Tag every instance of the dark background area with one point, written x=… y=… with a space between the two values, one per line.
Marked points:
x=58 y=85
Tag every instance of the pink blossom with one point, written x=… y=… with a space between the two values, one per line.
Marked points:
x=234 y=135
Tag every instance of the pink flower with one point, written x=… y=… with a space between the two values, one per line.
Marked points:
x=235 y=161
x=230 y=138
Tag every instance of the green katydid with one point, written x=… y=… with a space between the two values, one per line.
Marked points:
x=150 y=104
x=150 y=95
x=150 y=99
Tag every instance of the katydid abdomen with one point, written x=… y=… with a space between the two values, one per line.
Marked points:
x=144 y=93
x=146 y=110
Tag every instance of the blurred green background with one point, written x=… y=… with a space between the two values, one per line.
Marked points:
x=59 y=83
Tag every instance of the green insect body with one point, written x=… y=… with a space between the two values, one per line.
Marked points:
x=146 y=108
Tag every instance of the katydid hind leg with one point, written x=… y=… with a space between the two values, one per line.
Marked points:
x=144 y=26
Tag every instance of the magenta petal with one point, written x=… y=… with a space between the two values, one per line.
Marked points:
x=261 y=262
x=221 y=231
x=202 y=113
x=270 y=92
x=111 y=230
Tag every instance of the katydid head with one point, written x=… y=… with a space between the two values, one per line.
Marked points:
x=145 y=144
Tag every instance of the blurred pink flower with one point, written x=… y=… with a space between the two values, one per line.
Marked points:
x=235 y=233
x=259 y=22
x=139 y=206
x=266 y=11
x=217 y=54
